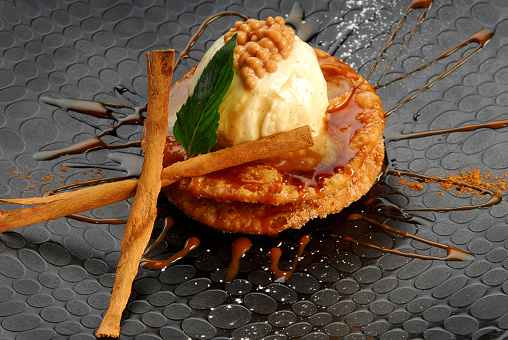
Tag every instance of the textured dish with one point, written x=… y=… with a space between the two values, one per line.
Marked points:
x=56 y=277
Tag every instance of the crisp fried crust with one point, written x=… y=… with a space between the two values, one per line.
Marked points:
x=256 y=218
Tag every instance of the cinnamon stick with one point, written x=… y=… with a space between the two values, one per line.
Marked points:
x=270 y=146
x=67 y=203
x=144 y=208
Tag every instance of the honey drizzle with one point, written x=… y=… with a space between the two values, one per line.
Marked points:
x=481 y=37
x=496 y=124
x=413 y=5
x=185 y=53
x=99 y=110
x=275 y=253
x=453 y=253
x=494 y=198
x=191 y=244
x=93 y=143
x=96 y=220
x=239 y=247
x=86 y=184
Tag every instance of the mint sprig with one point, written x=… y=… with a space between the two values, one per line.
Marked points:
x=198 y=119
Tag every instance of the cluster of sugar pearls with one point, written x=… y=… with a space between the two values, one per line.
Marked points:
x=261 y=46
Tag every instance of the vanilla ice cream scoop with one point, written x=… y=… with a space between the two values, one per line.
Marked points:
x=277 y=86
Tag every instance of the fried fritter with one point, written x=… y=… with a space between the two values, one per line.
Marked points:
x=257 y=218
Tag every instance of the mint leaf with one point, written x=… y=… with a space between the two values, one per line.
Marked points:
x=198 y=119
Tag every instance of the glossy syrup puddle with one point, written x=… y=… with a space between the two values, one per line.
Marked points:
x=103 y=110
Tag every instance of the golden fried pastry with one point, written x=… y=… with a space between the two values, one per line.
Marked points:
x=257 y=218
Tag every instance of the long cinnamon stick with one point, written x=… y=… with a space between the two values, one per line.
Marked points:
x=144 y=208
x=67 y=203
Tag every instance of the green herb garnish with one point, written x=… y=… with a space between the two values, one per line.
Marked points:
x=198 y=119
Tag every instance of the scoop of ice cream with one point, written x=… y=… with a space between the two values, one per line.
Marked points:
x=277 y=85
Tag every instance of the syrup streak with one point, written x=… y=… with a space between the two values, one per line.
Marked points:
x=191 y=244
x=185 y=53
x=130 y=163
x=95 y=220
x=275 y=253
x=496 y=124
x=100 y=110
x=239 y=247
x=453 y=254
x=376 y=204
x=87 y=184
x=481 y=37
x=415 y=4
x=88 y=107
x=494 y=199
x=93 y=143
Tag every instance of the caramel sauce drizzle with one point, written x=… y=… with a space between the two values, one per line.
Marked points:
x=494 y=198
x=86 y=184
x=376 y=204
x=99 y=110
x=93 y=143
x=496 y=124
x=130 y=163
x=453 y=254
x=415 y=4
x=481 y=37
x=275 y=253
x=239 y=247
x=96 y=109
x=185 y=53
x=191 y=244
x=96 y=220
x=127 y=162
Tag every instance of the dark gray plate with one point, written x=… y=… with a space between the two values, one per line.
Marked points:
x=56 y=277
